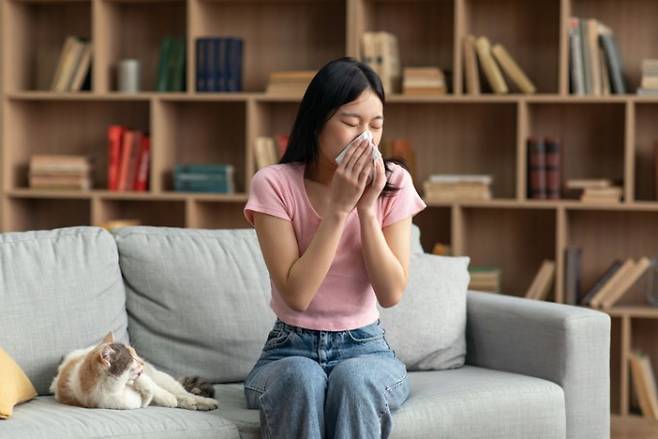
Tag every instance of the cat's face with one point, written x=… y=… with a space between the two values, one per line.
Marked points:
x=118 y=360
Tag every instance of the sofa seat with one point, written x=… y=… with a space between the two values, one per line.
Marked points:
x=45 y=418
x=444 y=404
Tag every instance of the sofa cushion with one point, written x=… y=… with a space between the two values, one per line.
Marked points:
x=427 y=329
x=46 y=418
x=469 y=402
x=60 y=290
x=197 y=300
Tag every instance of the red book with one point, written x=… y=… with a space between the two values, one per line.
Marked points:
x=114 y=135
x=126 y=152
x=536 y=169
x=134 y=157
x=141 y=182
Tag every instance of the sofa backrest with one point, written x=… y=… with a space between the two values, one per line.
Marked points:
x=60 y=290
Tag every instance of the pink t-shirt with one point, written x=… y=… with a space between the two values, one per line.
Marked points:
x=345 y=299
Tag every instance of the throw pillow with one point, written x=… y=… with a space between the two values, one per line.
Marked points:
x=427 y=329
x=15 y=386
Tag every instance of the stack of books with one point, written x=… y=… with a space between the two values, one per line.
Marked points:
x=289 y=82
x=485 y=279
x=649 y=84
x=595 y=62
x=129 y=157
x=542 y=282
x=449 y=187
x=219 y=63
x=216 y=178
x=423 y=81
x=60 y=172
x=596 y=190
x=493 y=62
x=644 y=384
x=171 y=65
x=544 y=168
x=379 y=50
x=73 y=68
x=616 y=281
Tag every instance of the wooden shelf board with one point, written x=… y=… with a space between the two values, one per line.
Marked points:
x=112 y=195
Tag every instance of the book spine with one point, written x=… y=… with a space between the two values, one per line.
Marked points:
x=126 y=152
x=553 y=180
x=614 y=63
x=221 y=64
x=235 y=64
x=536 y=169
x=576 y=57
x=201 y=64
x=114 y=135
x=587 y=70
x=141 y=183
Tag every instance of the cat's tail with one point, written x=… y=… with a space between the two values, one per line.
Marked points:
x=198 y=386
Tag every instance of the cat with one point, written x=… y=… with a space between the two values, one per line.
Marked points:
x=111 y=375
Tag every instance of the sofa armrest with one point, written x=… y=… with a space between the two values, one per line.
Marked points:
x=568 y=345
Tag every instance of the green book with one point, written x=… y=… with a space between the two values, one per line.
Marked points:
x=165 y=50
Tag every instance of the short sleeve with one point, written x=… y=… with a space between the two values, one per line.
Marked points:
x=405 y=202
x=267 y=194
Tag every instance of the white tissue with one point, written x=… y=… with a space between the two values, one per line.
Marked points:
x=364 y=135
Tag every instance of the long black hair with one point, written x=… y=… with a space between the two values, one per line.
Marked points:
x=338 y=82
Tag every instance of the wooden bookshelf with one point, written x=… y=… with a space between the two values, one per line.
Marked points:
x=601 y=137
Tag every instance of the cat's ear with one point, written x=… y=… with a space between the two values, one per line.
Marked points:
x=109 y=338
x=105 y=355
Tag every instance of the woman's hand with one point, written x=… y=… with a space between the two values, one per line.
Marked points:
x=350 y=178
x=367 y=204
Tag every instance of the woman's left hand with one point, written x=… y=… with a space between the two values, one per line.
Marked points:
x=368 y=202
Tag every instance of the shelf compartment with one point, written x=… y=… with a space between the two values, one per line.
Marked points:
x=646 y=139
x=530 y=31
x=198 y=132
x=277 y=35
x=34 y=34
x=435 y=224
x=148 y=212
x=21 y=214
x=643 y=337
x=499 y=237
x=591 y=136
x=606 y=235
x=134 y=29
x=64 y=127
x=216 y=215
x=634 y=27
x=443 y=145
x=424 y=30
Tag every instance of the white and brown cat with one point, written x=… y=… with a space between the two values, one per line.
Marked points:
x=111 y=375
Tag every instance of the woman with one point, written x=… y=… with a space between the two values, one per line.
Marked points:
x=334 y=246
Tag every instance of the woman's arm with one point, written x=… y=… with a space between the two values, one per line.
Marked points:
x=298 y=278
x=386 y=254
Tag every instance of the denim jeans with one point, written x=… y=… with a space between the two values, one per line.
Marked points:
x=326 y=384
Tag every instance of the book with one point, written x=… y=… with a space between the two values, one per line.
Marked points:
x=616 y=264
x=587 y=59
x=613 y=59
x=572 y=274
x=552 y=172
x=82 y=69
x=512 y=69
x=576 y=58
x=584 y=183
x=489 y=66
x=612 y=283
x=542 y=281
x=536 y=169
x=422 y=81
x=640 y=384
x=141 y=179
x=593 y=51
x=640 y=267
x=69 y=59
x=114 y=139
x=471 y=66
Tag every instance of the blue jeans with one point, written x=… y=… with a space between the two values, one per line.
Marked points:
x=326 y=384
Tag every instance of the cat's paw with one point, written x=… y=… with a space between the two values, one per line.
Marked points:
x=147 y=398
x=205 y=404
x=193 y=402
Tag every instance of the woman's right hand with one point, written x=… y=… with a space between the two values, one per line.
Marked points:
x=350 y=178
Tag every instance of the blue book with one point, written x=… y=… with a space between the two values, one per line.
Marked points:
x=221 y=63
x=201 y=62
x=234 y=56
x=204 y=168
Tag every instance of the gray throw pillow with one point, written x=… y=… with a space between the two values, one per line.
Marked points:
x=427 y=329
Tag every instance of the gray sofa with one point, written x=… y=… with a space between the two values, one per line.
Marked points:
x=533 y=369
